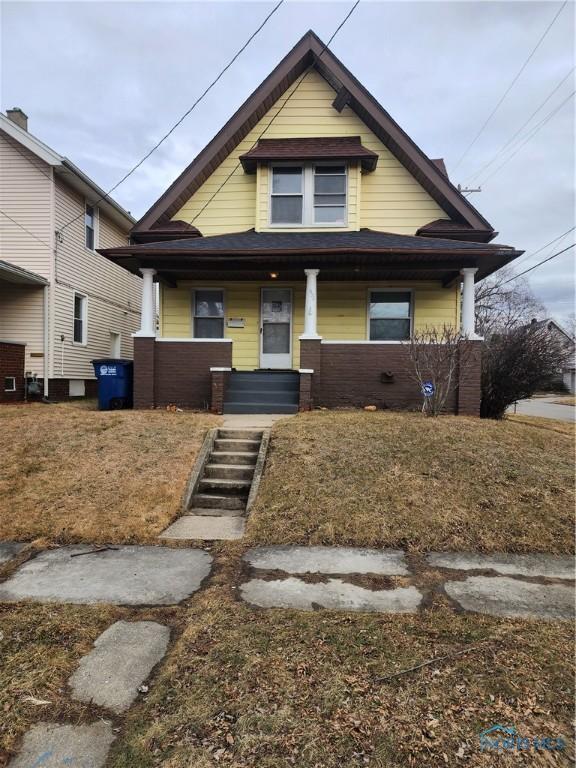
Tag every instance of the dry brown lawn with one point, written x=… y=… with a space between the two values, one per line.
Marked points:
x=72 y=473
x=566 y=400
x=278 y=688
x=404 y=480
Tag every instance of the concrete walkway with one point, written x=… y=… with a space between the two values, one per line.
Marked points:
x=252 y=421
x=471 y=582
x=544 y=407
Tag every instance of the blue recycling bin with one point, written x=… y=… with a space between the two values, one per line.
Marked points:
x=115 y=377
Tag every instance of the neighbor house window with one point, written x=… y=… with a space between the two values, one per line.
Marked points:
x=309 y=194
x=90 y=226
x=390 y=315
x=80 y=318
x=209 y=314
x=9 y=384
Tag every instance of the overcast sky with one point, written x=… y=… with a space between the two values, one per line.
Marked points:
x=101 y=82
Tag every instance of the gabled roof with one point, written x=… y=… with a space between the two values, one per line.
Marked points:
x=311 y=51
x=64 y=168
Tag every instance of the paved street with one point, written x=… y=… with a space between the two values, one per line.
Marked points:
x=545 y=407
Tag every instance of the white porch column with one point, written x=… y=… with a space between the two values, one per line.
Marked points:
x=147 y=318
x=468 y=321
x=311 y=309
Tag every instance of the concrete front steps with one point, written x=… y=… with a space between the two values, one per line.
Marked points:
x=217 y=506
x=255 y=392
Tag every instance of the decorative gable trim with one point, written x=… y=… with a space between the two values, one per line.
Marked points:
x=310 y=51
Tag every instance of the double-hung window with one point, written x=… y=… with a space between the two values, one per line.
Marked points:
x=90 y=227
x=208 y=314
x=390 y=315
x=80 y=305
x=308 y=195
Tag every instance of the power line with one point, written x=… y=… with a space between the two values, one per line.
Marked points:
x=24 y=228
x=184 y=116
x=539 y=264
x=530 y=136
x=511 y=139
x=233 y=171
x=512 y=84
x=543 y=247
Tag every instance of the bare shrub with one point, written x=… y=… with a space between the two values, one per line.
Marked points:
x=515 y=364
x=437 y=356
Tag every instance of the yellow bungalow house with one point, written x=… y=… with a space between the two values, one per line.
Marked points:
x=296 y=253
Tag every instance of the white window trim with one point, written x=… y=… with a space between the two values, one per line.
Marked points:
x=372 y=290
x=193 y=310
x=307 y=195
x=13 y=387
x=84 y=341
x=96 y=210
x=119 y=335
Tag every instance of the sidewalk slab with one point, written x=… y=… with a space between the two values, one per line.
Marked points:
x=548 y=566
x=122 y=659
x=329 y=560
x=502 y=596
x=190 y=527
x=124 y=575
x=335 y=595
x=54 y=746
x=9 y=550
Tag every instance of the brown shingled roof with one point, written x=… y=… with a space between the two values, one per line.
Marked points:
x=323 y=148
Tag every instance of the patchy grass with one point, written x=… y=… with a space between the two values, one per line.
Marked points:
x=279 y=688
x=404 y=480
x=73 y=474
x=40 y=647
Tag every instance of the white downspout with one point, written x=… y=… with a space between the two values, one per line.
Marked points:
x=46 y=339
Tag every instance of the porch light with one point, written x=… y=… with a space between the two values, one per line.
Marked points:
x=273 y=275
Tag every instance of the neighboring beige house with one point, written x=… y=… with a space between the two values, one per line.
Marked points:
x=58 y=296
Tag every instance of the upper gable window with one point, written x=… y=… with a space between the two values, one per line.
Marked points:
x=90 y=226
x=310 y=194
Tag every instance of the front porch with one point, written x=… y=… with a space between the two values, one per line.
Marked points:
x=332 y=311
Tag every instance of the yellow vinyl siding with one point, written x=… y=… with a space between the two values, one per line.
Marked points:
x=391 y=199
x=342 y=312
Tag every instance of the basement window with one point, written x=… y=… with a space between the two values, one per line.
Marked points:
x=208 y=314
x=9 y=384
x=390 y=315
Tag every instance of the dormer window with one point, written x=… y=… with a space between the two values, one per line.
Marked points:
x=308 y=194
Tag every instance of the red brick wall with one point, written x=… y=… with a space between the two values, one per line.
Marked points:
x=469 y=380
x=356 y=375
x=12 y=364
x=176 y=372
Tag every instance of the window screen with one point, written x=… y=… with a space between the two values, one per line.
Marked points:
x=208 y=314
x=390 y=314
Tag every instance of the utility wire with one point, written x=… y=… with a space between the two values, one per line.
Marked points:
x=512 y=84
x=25 y=229
x=512 y=138
x=543 y=247
x=233 y=171
x=184 y=116
x=539 y=264
x=528 y=138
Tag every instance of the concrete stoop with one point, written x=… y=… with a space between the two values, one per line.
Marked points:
x=222 y=487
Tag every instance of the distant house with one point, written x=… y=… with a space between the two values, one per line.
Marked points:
x=299 y=249
x=567 y=374
x=61 y=303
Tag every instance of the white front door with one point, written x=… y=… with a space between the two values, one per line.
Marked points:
x=276 y=328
